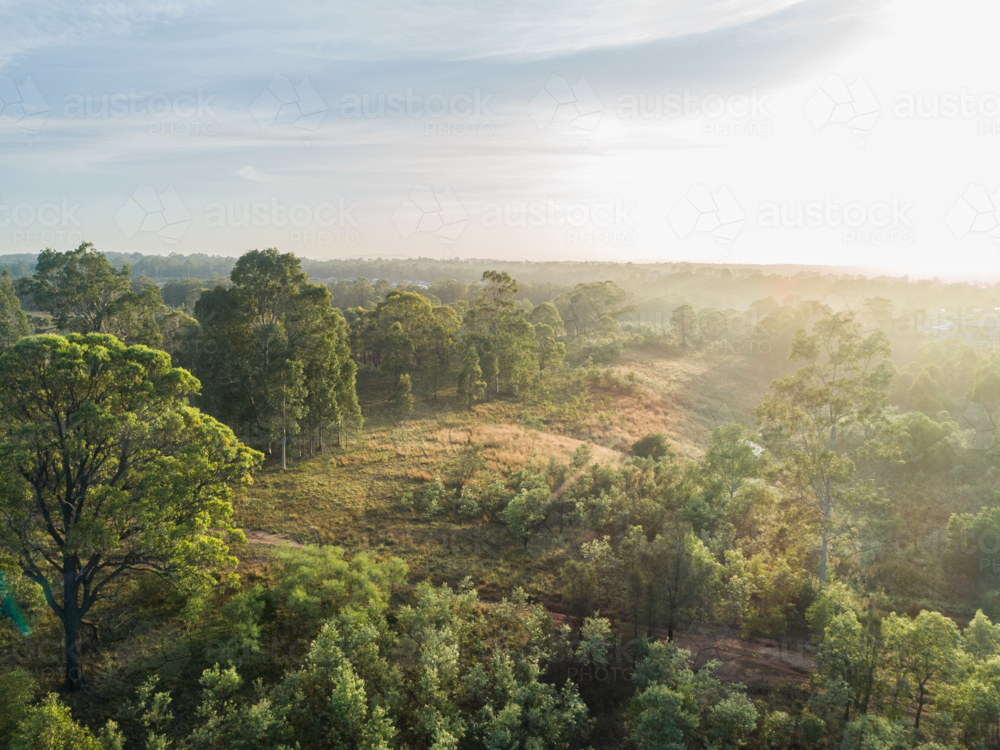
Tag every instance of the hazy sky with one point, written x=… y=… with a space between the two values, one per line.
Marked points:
x=767 y=131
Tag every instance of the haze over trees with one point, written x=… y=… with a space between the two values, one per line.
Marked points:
x=518 y=506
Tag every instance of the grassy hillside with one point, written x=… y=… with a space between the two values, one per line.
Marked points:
x=351 y=496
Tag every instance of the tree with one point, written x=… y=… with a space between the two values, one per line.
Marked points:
x=50 y=726
x=496 y=326
x=974 y=702
x=397 y=349
x=580 y=592
x=470 y=380
x=13 y=322
x=285 y=389
x=654 y=445
x=184 y=293
x=107 y=471
x=594 y=306
x=551 y=353
x=85 y=294
x=828 y=415
x=442 y=342
x=273 y=341
x=529 y=509
x=404 y=394
x=680 y=574
x=491 y=371
x=732 y=458
x=684 y=321
x=547 y=314
x=851 y=654
x=923 y=652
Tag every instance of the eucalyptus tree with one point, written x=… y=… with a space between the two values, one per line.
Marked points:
x=106 y=470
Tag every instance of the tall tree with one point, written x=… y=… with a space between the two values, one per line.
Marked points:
x=13 y=322
x=84 y=293
x=442 y=342
x=923 y=651
x=551 y=353
x=830 y=416
x=732 y=458
x=684 y=321
x=495 y=325
x=681 y=575
x=470 y=380
x=107 y=470
x=268 y=319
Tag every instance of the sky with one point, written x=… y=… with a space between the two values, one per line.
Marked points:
x=723 y=131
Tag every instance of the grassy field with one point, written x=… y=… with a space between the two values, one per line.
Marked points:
x=351 y=496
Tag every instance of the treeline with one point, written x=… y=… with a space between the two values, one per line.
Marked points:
x=654 y=288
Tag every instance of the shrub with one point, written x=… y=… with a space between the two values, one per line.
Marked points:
x=654 y=445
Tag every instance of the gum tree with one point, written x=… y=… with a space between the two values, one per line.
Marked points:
x=84 y=293
x=106 y=470
x=829 y=417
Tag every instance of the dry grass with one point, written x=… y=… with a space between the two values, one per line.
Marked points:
x=351 y=497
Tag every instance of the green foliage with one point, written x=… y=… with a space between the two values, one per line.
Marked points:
x=654 y=445
x=579 y=591
x=849 y=659
x=50 y=726
x=243 y=612
x=471 y=385
x=85 y=294
x=428 y=503
x=680 y=575
x=663 y=721
x=404 y=394
x=684 y=321
x=675 y=706
x=276 y=357
x=183 y=293
x=732 y=458
x=832 y=600
x=778 y=730
x=160 y=501
x=316 y=583
x=924 y=652
x=13 y=322
x=829 y=416
x=875 y=733
x=17 y=691
x=731 y=721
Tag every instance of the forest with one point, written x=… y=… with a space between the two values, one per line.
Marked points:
x=274 y=502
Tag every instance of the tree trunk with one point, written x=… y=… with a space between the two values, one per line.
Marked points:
x=284 y=440
x=827 y=504
x=920 y=706
x=71 y=626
